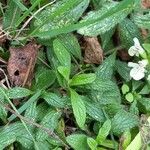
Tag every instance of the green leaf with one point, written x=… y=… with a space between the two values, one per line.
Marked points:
x=44 y=79
x=146 y=47
x=92 y=143
x=18 y=92
x=49 y=121
x=128 y=30
x=72 y=45
x=26 y=105
x=82 y=79
x=13 y=132
x=77 y=141
x=144 y=104
x=123 y=121
x=113 y=108
x=104 y=131
x=125 y=88
x=125 y=5
x=106 y=69
x=64 y=71
x=9 y=18
x=79 y=109
x=129 y=97
x=123 y=70
x=54 y=100
x=31 y=112
x=142 y=21
x=60 y=14
x=62 y=54
x=94 y=109
x=118 y=13
x=145 y=90
x=126 y=139
x=104 y=91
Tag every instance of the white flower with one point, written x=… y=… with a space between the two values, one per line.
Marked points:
x=138 y=69
x=136 y=49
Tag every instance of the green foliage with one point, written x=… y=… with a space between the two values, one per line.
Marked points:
x=123 y=121
x=79 y=108
x=118 y=13
x=61 y=14
x=142 y=20
x=77 y=141
x=44 y=79
x=9 y=18
x=105 y=71
x=82 y=79
x=18 y=92
x=128 y=30
x=54 y=100
x=104 y=131
x=92 y=143
x=72 y=104
x=123 y=70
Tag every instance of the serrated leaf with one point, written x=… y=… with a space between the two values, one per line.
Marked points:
x=54 y=100
x=82 y=79
x=64 y=71
x=128 y=30
x=18 y=92
x=104 y=131
x=123 y=121
x=116 y=14
x=104 y=91
x=144 y=104
x=78 y=141
x=106 y=69
x=145 y=90
x=9 y=18
x=62 y=54
x=92 y=143
x=61 y=14
x=14 y=132
x=49 y=121
x=71 y=44
x=123 y=70
x=106 y=38
x=31 y=112
x=79 y=109
x=44 y=79
x=94 y=109
x=142 y=21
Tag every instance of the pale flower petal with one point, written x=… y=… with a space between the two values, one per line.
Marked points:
x=137 y=74
x=136 y=42
x=136 y=49
x=132 y=51
x=131 y=64
x=138 y=69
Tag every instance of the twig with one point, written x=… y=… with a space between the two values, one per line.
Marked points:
x=6 y=78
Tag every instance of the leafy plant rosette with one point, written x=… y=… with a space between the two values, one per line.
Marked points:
x=71 y=104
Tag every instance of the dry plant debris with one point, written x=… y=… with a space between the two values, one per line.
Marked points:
x=21 y=64
x=93 y=51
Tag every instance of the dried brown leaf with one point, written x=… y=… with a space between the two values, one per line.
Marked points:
x=146 y=4
x=21 y=64
x=93 y=51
